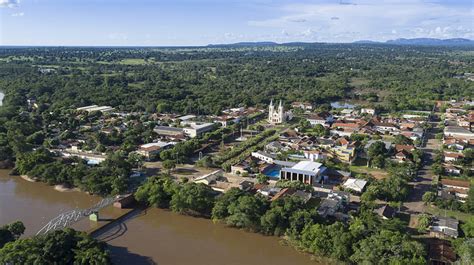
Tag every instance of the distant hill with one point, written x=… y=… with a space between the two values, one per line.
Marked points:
x=423 y=41
x=402 y=41
x=239 y=44
x=432 y=41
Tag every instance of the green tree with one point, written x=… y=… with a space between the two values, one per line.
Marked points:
x=192 y=198
x=169 y=165
x=156 y=191
x=246 y=212
x=262 y=178
x=388 y=247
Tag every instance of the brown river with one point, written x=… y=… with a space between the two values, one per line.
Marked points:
x=153 y=236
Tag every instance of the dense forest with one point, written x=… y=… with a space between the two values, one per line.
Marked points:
x=207 y=80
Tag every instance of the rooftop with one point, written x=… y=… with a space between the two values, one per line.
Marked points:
x=308 y=166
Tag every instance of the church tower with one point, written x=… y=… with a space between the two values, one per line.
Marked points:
x=276 y=116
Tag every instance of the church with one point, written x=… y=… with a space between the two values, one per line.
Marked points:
x=276 y=116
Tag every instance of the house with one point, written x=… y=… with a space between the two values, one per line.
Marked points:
x=210 y=178
x=345 y=153
x=269 y=158
x=357 y=185
x=283 y=192
x=302 y=105
x=268 y=191
x=274 y=147
x=152 y=149
x=385 y=212
x=452 y=169
x=240 y=168
x=323 y=118
x=454 y=187
x=93 y=108
x=246 y=185
x=452 y=156
x=186 y=117
x=367 y=111
x=402 y=156
x=458 y=132
x=314 y=155
x=386 y=127
x=304 y=171
x=444 y=227
x=406 y=148
x=458 y=144
x=344 y=128
x=334 y=203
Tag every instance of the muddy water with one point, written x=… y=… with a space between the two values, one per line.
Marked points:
x=151 y=237
x=36 y=203
x=162 y=237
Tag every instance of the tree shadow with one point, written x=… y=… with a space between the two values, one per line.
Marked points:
x=121 y=255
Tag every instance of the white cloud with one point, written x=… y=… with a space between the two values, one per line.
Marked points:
x=380 y=20
x=9 y=3
x=19 y=14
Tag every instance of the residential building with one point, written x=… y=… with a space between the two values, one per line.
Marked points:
x=367 y=111
x=458 y=132
x=151 y=149
x=357 y=185
x=385 y=212
x=323 y=118
x=345 y=153
x=93 y=108
x=458 y=189
x=314 y=155
x=302 y=105
x=444 y=227
x=452 y=156
x=269 y=158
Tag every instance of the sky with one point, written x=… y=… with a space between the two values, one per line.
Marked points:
x=202 y=22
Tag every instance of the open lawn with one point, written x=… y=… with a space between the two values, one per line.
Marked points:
x=358 y=82
x=136 y=61
x=359 y=166
x=442 y=212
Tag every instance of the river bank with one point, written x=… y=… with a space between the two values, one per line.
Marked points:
x=152 y=236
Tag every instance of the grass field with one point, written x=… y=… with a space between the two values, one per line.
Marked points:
x=454 y=214
x=136 y=61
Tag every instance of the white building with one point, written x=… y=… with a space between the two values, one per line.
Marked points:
x=368 y=111
x=276 y=116
x=305 y=171
x=197 y=128
x=93 y=108
x=356 y=185
x=264 y=156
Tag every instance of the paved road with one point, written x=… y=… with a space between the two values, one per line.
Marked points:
x=414 y=203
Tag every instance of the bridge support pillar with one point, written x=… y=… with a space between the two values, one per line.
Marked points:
x=94 y=216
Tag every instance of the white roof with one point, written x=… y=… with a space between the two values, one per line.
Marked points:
x=198 y=126
x=308 y=166
x=355 y=184
x=187 y=117
x=160 y=144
